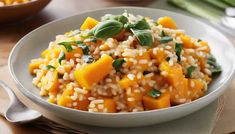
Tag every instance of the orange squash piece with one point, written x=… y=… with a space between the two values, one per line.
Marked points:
x=187 y=43
x=125 y=82
x=89 y=23
x=52 y=53
x=50 y=82
x=160 y=56
x=197 y=89
x=34 y=64
x=134 y=100
x=151 y=103
x=176 y=79
x=205 y=44
x=167 y=22
x=144 y=57
x=71 y=55
x=109 y=106
x=94 y=72
x=66 y=100
x=160 y=80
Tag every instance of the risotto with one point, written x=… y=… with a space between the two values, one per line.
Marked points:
x=124 y=63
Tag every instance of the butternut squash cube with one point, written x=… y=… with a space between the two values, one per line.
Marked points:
x=134 y=100
x=125 y=82
x=167 y=22
x=196 y=88
x=151 y=103
x=94 y=72
x=52 y=53
x=109 y=106
x=143 y=61
x=50 y=82
x=187 y=43
x=89 y=23
x=206 y=45
x=34 y=64
x=67 y=101
x=71 y=55
x=160 y=56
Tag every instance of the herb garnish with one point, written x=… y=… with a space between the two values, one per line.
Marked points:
x=154 y=93
x=166 y=39
x=215 y=68
x=107 y=29
x=144 y=37
x=163 y=33
x=178 y=50
x=85 y=48
x=190 y=71
x=48 y=67
x=117 y=64
x=67 y=45
x=121 y=18
x=93 y=39
x=140 y=25
x=87 y=58
x=61 y=56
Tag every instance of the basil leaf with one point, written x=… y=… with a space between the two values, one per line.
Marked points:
x=199 y=40
x=61 y=56
x=166 y=39
x=120 y=18
x=154 y=93
x=117 y=64
x=48 y=67
x=70 y=42
x=85 y=36
x=85 y=48
x=67 y=45
x=144 y=37
x=178 y=50
x=74 y=33
x=78 y=42
x=215 y=68
x=87 y=58
x=93 y=39
x=211 y=59
x=107 y=29
x=140 y=25
x=190 y=71
x=163 y=33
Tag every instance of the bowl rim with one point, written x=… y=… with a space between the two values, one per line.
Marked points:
x=22 y=4
x=38 y=99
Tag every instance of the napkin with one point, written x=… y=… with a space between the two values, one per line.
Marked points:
x=200 y=122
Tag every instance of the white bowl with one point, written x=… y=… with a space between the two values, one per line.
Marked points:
x=34 y=43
